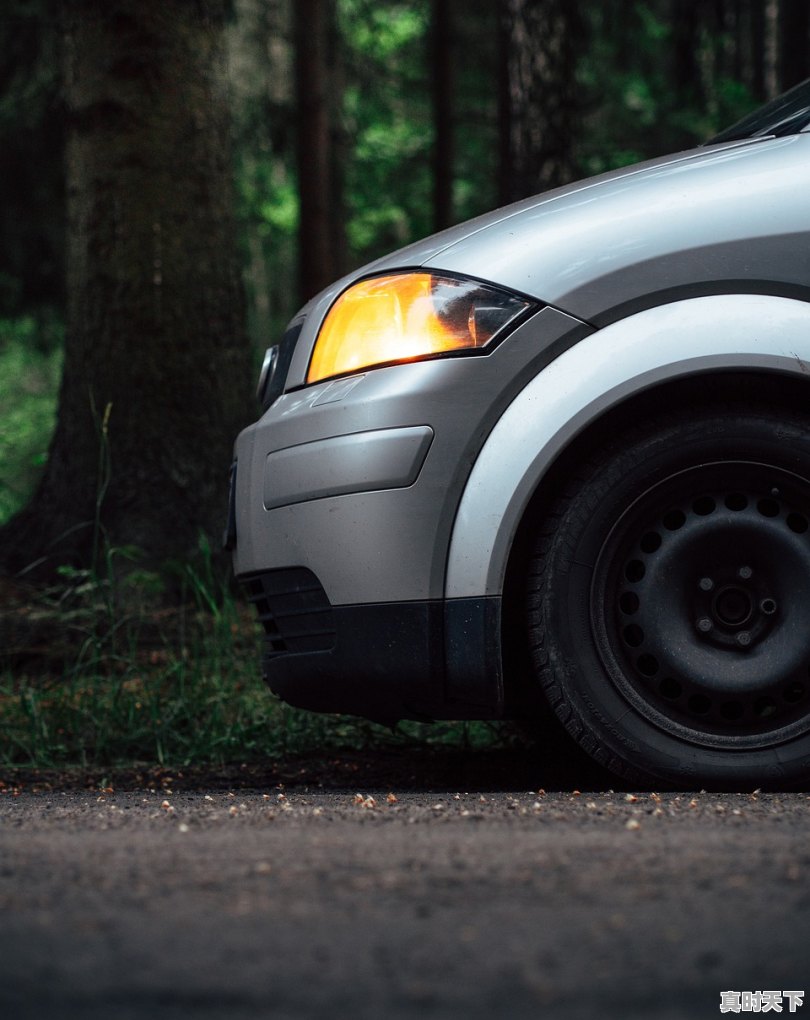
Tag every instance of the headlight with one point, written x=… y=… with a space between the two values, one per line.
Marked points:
x=406 y=316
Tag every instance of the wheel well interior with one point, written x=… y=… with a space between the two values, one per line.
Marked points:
x=743 y=388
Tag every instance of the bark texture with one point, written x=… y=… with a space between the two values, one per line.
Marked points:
x=318 y=176
x=794 y=42
x=157 y=363
x=441 y=49
x=539 y=105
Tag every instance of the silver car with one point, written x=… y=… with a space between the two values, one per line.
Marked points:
x=563 y=450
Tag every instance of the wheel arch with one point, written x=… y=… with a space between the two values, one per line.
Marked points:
x=664 y=601
x=696 y=350
x=712 y=387
x=655 y=351
x=717 y=386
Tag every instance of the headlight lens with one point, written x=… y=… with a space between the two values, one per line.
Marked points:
x=406 y=316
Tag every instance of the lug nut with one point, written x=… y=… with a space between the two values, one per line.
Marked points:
x=706 y=584
x=704 y=625
x=745 y=573
x=744 y=639
x=768 y=606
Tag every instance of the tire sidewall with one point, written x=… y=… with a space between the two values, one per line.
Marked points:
x=574 y=663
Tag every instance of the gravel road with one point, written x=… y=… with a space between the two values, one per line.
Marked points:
x=290 y=902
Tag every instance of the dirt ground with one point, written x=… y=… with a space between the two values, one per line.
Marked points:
x=394 y=885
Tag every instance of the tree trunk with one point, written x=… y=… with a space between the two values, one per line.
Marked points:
x=540 y=41
x=770 y=45
x=442 y=89
x=315 y=177
x=157 y=363
x=339 y=148
x=794 y=42
x=758 y=56
x=685 y=18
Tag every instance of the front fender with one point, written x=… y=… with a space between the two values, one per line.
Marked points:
x=672 y=341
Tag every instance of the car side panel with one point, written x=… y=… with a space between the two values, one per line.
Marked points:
x=684 y=338
x=577 y=247
x=386 y=539
x=736 y=220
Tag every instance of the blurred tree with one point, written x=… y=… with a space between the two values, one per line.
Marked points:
x=794 y=42
x=156 y=370
x=31 y=126
x=746 y=46
x=686 y=50
x=752 y=45
x=398 y=151
x=321 y=221
x=441 y=61
x=668 y=74
x=386 y=111
x=260 y=73
x=540 y=105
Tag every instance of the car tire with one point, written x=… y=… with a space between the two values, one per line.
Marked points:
x=668 y=600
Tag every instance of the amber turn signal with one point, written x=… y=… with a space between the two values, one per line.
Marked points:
x=384 y=320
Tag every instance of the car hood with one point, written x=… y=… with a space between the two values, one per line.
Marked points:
x=654 y=231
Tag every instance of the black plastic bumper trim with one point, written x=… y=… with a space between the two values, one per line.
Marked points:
x=384 y=661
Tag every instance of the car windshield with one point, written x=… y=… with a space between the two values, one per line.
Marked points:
x=786 y=115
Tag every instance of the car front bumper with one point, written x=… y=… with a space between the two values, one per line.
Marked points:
x=345 y=497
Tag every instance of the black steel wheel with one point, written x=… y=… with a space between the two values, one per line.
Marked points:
x=669 y=602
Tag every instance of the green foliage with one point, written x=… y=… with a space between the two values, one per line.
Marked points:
x=386 y=114
x=134 y=683
x=30 y=365
x=268 y=212
x=634 y=109
x=278 y=210
x=382 y=31
x=263 y=118
x=124 y=683
x=104 y=672
x=476 y=109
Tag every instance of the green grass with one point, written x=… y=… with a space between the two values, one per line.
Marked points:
x=120 y=684
x=30 y=368
x=95 y=676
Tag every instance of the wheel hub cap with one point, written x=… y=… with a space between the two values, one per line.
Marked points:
x=705 y=584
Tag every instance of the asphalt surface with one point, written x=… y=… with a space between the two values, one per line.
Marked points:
x=289 y=901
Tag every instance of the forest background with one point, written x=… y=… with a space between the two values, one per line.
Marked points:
x=175 y=180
